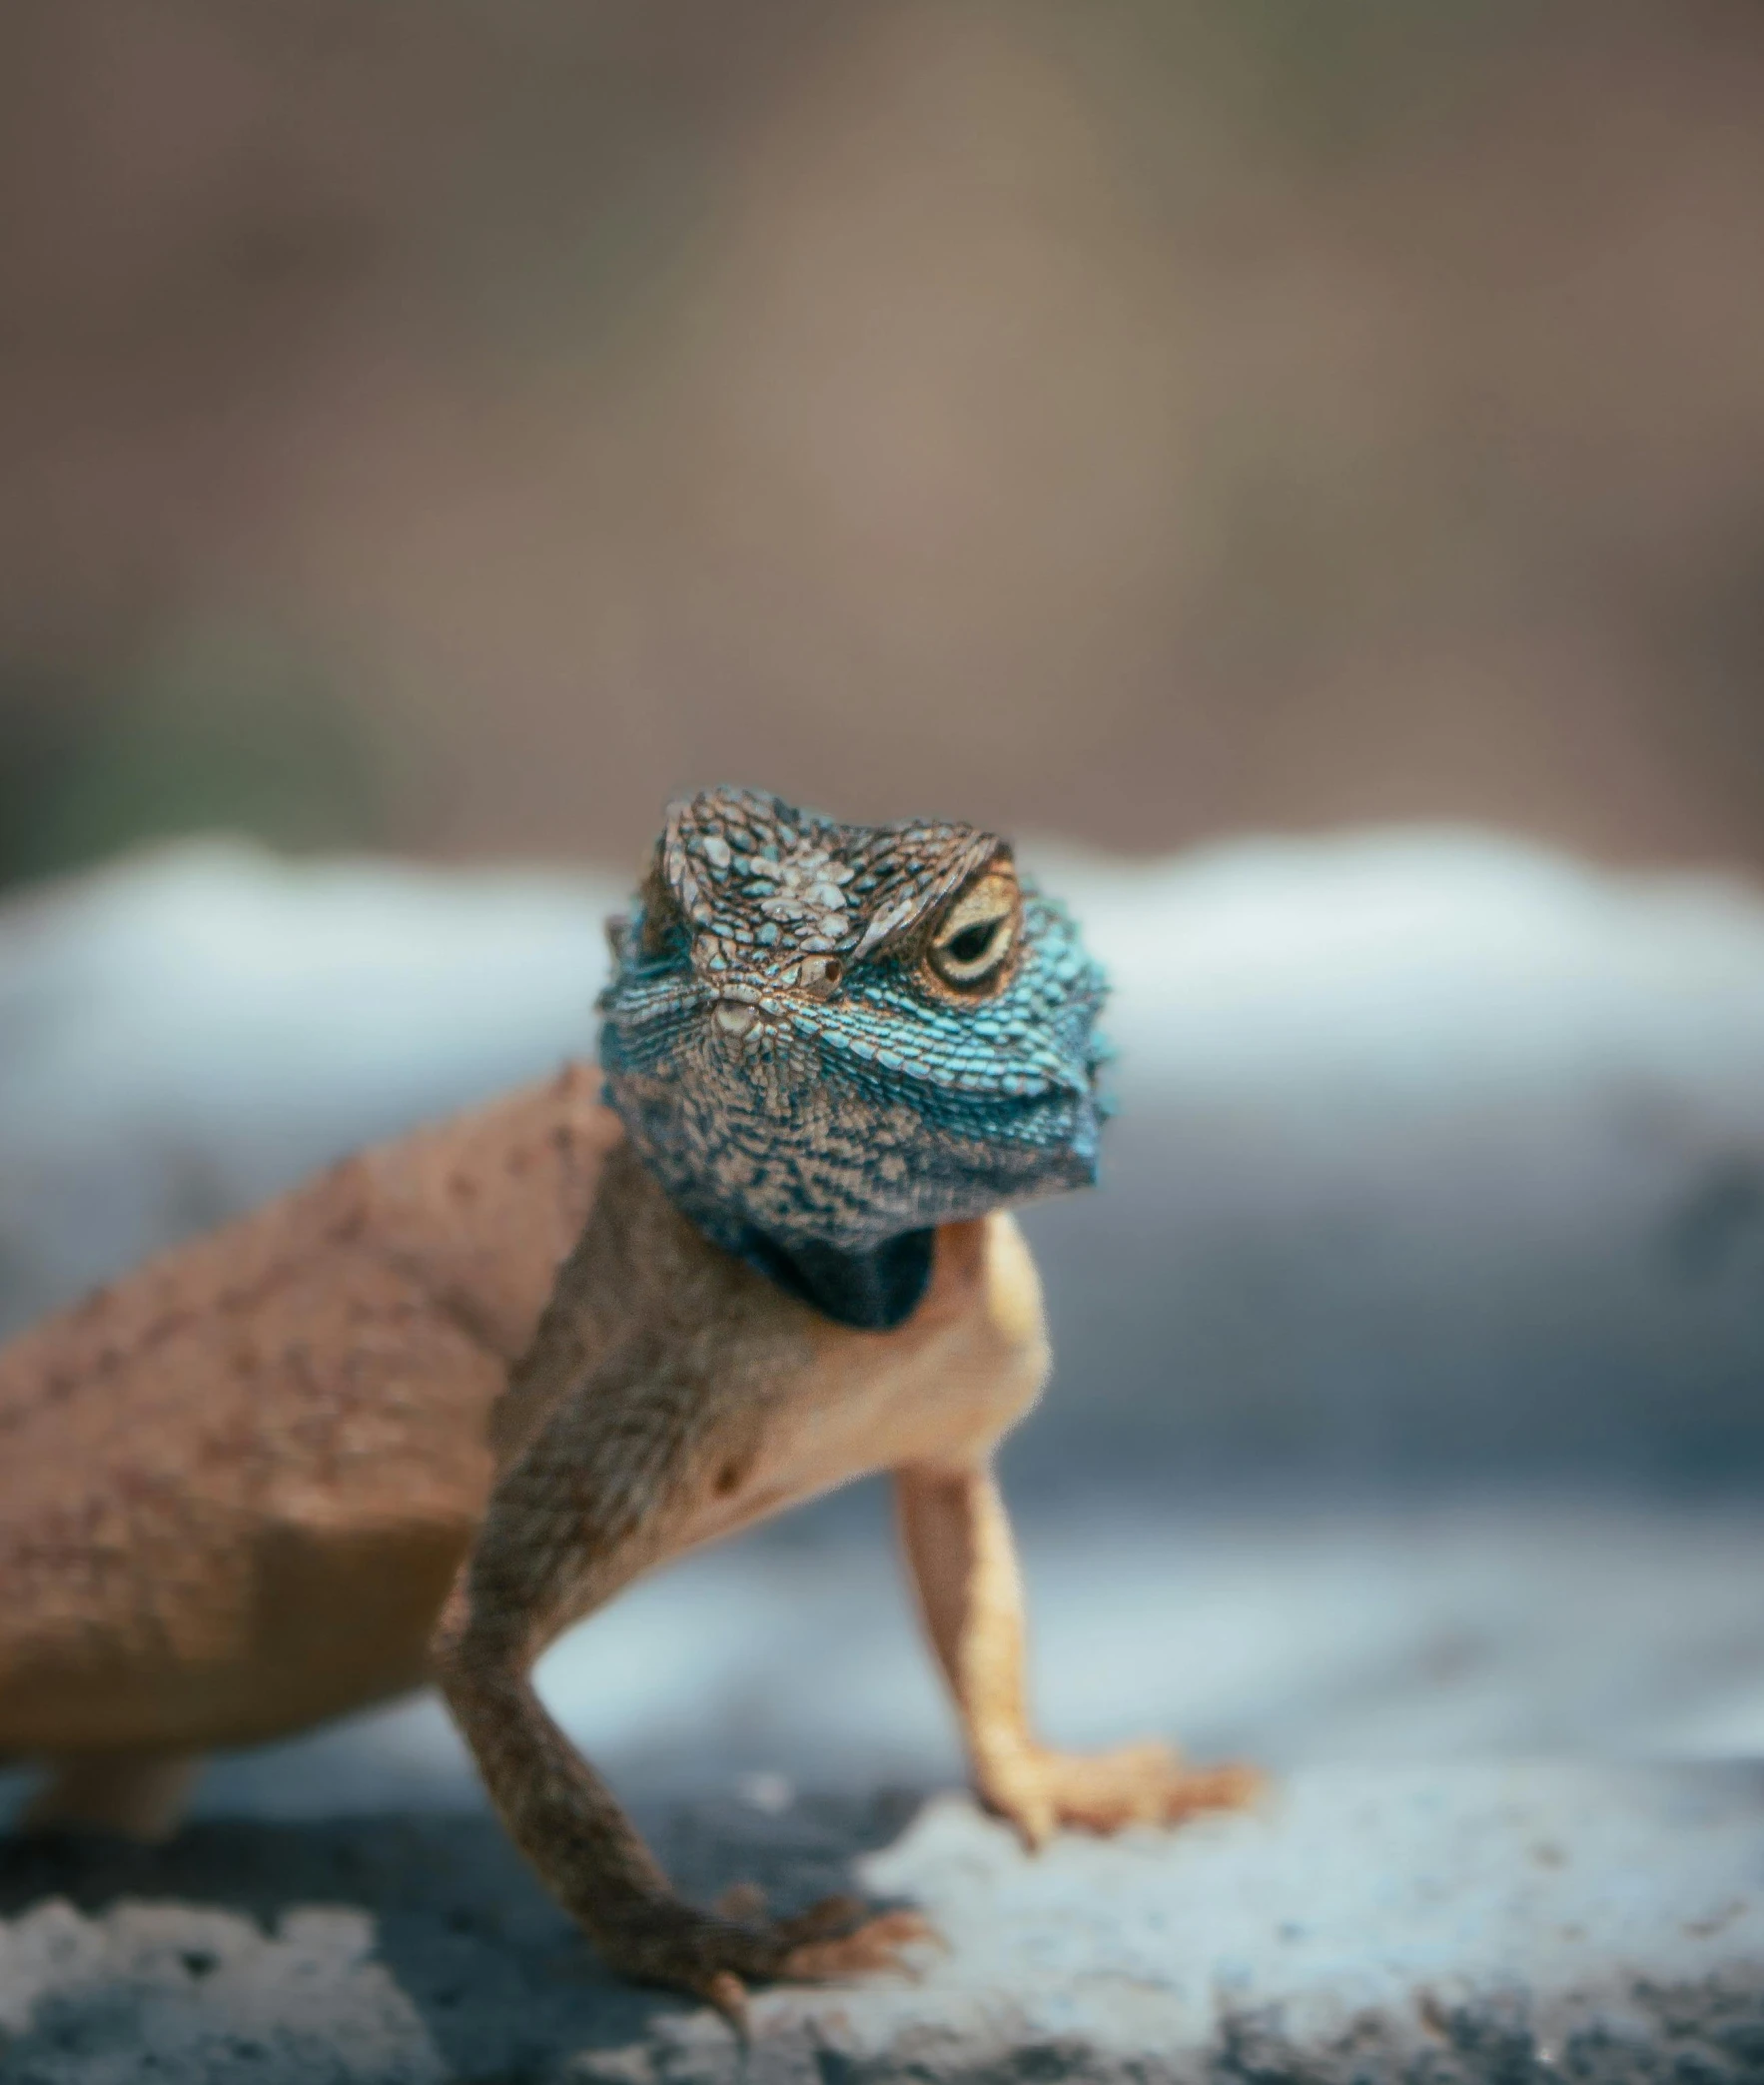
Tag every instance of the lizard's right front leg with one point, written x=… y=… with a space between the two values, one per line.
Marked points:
x=599 y=1495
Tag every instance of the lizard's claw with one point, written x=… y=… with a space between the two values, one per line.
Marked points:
x=716 y=1955
x=728 y=1994
x=1105 y=1792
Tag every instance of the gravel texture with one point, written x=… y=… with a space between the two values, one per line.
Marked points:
x=1509 y=1923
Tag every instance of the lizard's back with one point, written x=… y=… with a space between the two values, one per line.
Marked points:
x=277 y=1436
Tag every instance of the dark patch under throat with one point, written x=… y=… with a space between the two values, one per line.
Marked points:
x=874 y=1291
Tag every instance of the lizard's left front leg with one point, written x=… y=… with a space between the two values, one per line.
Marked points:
x=958 y=1542
x=599 y=1496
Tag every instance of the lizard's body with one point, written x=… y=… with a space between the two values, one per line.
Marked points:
x=236 y=1485
x=417 y=1418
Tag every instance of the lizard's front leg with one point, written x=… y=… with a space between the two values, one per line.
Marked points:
x=598 y=1497
x=958 y=1542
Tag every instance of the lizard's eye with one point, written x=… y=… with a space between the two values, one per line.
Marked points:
x=969 y=947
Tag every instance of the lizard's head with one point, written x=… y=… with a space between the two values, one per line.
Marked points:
x=829 y=1035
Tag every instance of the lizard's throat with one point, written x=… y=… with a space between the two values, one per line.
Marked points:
x=874 y=1288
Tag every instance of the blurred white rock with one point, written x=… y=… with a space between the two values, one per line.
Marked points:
x=1436 y=1151
x=183 y=1034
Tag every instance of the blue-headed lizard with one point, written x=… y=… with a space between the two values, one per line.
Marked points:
x=421 y=1415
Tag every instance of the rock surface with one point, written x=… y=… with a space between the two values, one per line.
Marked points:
x=1510 y=1923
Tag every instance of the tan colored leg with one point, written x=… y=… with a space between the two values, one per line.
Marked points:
x=958 y=1542
x=138 y=1795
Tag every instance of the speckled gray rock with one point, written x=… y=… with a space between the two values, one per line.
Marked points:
x=1514 y=1923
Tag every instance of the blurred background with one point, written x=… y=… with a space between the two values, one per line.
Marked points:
x=1301 y=470
x=452 y=426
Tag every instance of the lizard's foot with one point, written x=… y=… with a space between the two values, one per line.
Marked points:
x=716 y=1955
x=1106 y=1791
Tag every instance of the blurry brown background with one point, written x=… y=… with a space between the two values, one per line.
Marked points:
x=453 y=424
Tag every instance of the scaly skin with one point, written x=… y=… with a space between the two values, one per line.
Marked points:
x=347 y=1444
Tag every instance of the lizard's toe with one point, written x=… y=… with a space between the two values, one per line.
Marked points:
x=1234 y=1786
x=878 y=1943
x=1105 y=1792
x=715 y=1955
x=823 y=1918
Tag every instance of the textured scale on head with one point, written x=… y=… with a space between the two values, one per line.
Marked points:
x=826 y=1039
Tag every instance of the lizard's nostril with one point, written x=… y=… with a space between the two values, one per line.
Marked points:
x=733 y=1017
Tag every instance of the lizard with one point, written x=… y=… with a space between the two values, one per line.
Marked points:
x=421 y=1415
